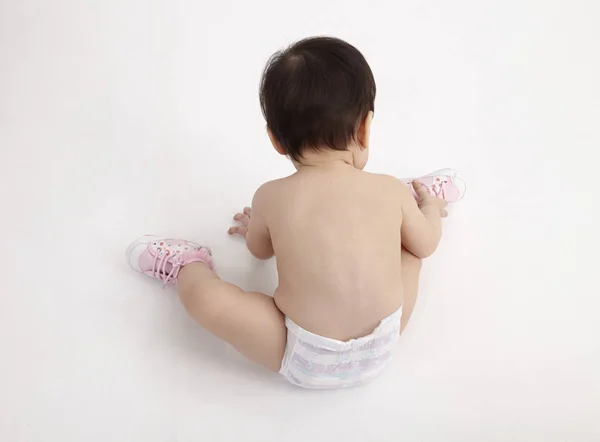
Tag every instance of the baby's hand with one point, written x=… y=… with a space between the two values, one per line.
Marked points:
x=425 y=200
x=244 y=220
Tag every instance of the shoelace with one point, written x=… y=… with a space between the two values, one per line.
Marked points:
x=440 y=193
x=159 y=266
x=441 y=190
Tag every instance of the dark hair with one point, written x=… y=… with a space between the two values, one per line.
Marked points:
x=315 y=94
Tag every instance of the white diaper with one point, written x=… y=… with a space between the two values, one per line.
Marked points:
x=313 y=361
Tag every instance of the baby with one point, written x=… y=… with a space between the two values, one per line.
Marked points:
x=348 y=243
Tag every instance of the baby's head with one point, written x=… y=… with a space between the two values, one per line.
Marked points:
x=318 y=97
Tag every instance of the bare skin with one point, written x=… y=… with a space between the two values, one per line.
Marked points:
x=349 y=246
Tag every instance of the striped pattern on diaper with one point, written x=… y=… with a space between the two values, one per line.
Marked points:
x=317 y=362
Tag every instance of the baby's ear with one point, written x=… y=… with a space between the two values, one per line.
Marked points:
x=364 y=131
x=276 y=143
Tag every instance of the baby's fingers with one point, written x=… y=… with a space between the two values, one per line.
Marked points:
x=238 y=230
x=242 y=218
x=420 y=190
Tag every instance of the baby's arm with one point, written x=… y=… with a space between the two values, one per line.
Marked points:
x=254 y=227
x=421 y=223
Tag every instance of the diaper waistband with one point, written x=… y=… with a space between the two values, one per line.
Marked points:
x=389 y=324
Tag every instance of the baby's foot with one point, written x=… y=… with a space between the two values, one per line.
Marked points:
x=162 y=258
x=444 y=184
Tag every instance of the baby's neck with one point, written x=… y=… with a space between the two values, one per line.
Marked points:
x=325 y=159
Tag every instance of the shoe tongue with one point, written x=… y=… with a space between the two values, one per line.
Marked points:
x=160 y=253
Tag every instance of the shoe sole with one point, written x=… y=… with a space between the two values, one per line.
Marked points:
x=141 y=240
x=445 y=172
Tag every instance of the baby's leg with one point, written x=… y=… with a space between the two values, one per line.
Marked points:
x=411 y=270
x=249 y=321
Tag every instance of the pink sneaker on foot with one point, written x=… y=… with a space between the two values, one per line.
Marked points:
x=162 y=258
x=444 y=184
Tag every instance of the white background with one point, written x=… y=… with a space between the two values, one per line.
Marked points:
x=125 y=117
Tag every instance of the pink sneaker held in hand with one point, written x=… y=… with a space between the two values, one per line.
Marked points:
x=162 y=258
x=444 y=184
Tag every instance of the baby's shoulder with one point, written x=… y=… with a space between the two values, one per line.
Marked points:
x=391 y=186
x=387 y=181
x=268 y=192
x=271 y=187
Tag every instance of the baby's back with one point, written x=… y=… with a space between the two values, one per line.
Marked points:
x=336 y=235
